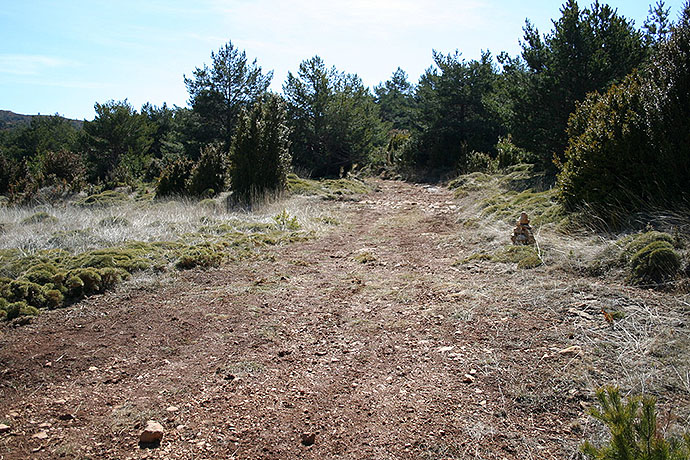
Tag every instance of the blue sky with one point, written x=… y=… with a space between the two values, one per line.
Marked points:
x=63 y=56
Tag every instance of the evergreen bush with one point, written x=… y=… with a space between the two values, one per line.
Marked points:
x=259 y=153
x=63 y=167
x=173 y=179
x=634 y=434
x=629 y=148
x=209 y=175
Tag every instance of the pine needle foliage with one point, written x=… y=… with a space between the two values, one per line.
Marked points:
x=209 y=175
x=259 y=153
x=634 y=430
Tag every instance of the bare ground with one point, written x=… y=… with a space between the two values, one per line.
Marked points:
x=368 y=337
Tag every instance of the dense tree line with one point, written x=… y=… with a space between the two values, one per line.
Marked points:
x=595 y=101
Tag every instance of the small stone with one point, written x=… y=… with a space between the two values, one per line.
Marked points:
x=45 y=425
x=4 y=428
x=41 y=435
x=573 y=350
x=152 y=434
x=468 y=379
x=14 y=414
x=172 y=409
x=308 y=439
x=93 y=368
x=59 y=401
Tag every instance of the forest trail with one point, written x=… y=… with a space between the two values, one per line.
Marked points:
x=367 y=337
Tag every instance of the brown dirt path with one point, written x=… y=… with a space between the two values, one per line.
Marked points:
x=367 y=337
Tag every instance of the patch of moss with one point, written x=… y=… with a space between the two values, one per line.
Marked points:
x=41 y=217
x=542 y=207
x=114 y=221
x=54 y=298
x=365 y=257
x=41 y=273
x=106 y=198
x=73 y=238
x=474 y=257
x=55 y=278
x=327 y=188
x=200 y=256
x=523 y=256
x=470 y=182
x=646 y=258
x=654 y=264
x=328 y=220
x=632 y=244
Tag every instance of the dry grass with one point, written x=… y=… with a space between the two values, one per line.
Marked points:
x=78 y=229
x=643 y=350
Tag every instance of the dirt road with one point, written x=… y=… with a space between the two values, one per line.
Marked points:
x=367 y=338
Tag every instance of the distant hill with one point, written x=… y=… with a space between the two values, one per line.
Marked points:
x=11 y=120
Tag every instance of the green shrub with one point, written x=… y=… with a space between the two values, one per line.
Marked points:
x=655 y=263
x=259 y=152
x=480 y=162
x=510 y=154
x=633 y=430
x=209 y=175
x=63 y=167
x=628 y=148
x=284 y=221
x=608 y=143
x=41 y=217
x=634 y=243
x=173 y=179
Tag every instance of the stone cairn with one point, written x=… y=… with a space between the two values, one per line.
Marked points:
x=522 y=234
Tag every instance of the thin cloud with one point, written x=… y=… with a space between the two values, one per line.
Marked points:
x=366 y=16
x=30 y=64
